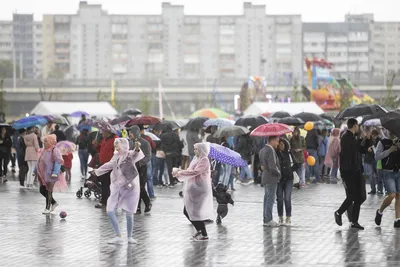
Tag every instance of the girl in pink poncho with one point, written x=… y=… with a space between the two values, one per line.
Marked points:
x=197 y=190
x=333 y=153
x=48 y=172
x=125 y=187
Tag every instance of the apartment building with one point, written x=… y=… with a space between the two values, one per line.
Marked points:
x=6 y=30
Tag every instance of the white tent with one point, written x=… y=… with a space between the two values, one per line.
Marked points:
x=99 y=109
x=258 y=108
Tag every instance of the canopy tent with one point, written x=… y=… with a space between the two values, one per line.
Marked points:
x=265 y=108
x=99 y=109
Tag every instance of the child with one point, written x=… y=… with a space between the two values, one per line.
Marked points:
x=68 y=166
x=223 y=199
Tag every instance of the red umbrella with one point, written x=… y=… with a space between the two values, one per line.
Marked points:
x=143 y=120
x=271 y=129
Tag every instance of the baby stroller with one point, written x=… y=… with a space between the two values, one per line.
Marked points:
x=223 y=199
x=92 y=185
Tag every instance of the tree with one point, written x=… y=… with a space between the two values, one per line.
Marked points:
x=145 y=104
x=346 y=96
x=244 y=97
x=6 y=69
x=390 y=100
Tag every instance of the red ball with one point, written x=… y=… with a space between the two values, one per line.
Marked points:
x=63 y=214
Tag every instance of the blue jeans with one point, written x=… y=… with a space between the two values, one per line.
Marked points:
x=334 y=172
x=150 y=187
x=245 y=172
x=392 y=181
x=83 y=158
x=231 y=181
x=269 y=200
x=158 y=171
x=284 y=194
x=313 y=170
x=300 y=172
x=381 y=184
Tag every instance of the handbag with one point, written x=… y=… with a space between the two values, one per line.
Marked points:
x=296 y=178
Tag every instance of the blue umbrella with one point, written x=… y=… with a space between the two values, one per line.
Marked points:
x=29 y=122
x=78 y=114
x=226 y=155
x=219 y=122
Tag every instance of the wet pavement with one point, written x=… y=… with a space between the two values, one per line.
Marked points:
x=29 y=238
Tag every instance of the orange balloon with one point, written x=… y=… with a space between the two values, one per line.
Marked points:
x=308 y=126
x=311 y=160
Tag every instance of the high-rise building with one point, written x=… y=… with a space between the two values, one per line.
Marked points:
x=6 y=29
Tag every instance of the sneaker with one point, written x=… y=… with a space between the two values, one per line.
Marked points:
x=131 y=240
x=53 y=207
x=219 y=221
x=46 y=211
x=200 y=238
x=396 y=224
x=338 y=219
x=378 y=218
x=272 y=224
x=196 y=235
x=116 y=240
x=281 y=221
x=288 y=221
x=356 y=226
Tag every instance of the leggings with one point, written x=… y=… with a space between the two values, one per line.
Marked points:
x=31 y=167
x=199 y=225
x=48 y=195
x=114 y=223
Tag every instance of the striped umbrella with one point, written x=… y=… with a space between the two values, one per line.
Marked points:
x=211 y=113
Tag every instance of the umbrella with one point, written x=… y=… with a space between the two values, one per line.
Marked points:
x=182 y=123
x=219 y=122
x=362 y=110
x=66 y=147
x=78 y=114
x=143 y=120
x=327 y=117
x=70 y=131
x=210 y=113
x=152 y=136
x=307 y=116
x=196 y=123
x=252 y=121
x=392 y=122
x=124 y=118
x=291 y=121
x=102 y=125
x=271 y=129
x=280 y=114
x=56 y=119
x=233 y=130
x=29 y=122
x=132 y=112
x=325 y=124
x=226 y=155
x=162 y=126
x=372 y=122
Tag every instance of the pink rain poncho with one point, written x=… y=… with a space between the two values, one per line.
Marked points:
x=197 y=190
x=125 y=186
x=333 y=153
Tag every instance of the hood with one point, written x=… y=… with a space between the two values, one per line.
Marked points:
x=286 y=142
x=203 y=148
x=335 y=132
x=122 y=143
x=135 y=130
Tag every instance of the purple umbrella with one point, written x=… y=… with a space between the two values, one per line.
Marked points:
x=29 y=122
x=102 y=125
x=226 y=155
x=78 y=114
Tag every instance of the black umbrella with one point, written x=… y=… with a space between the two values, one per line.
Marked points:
x=163 y=125
x=196 y=123
x=307 y=116
x=132 y=112
x=391 y=121
x=362 y=110
x=252 y=121
x=280 y=114
x=233 y=130
x=291 y=121
x=328 y=117
x=121 y=119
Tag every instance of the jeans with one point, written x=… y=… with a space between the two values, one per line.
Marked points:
x=231 y=181
x=83 y=158
x=269 y=200
x=284 y=195
x=13 y=158
x=300 y=172
x=313 y=170
x=322 y=167
x=380 y=183
x=150 y=187
x=158 y=171
x=392 y=181
x=245 y=172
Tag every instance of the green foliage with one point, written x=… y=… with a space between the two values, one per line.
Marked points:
x=389 y=101
x=346 y=96
x=244 y=97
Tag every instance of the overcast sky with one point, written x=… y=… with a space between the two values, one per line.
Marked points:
x=311 y=10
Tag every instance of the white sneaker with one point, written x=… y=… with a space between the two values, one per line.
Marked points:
x=281 y=221
x=46 y=211
x=288 y=221
x=131 y=240
x=53 y=207
x=272 y=224
x=116 y=240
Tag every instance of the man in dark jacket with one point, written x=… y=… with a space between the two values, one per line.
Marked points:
x=150 y=186
x=351 y=172
x=141 y=165
x=245 y=149
x=172 y=147
x=60 y=134
x=22 y=164
x=312 y=144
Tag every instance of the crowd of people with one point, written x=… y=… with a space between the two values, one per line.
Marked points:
x=129 y=167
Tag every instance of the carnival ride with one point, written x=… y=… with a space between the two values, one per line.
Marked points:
x=326 y=90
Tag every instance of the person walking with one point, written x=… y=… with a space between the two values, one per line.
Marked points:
x=125 y=186
x=5 y=152
x=150 y=164
x=83 y=142
x=245 y=148
x=197 y=190
x=270 y=178
x=297 y=147
x=388 y=152
x=31 y=156
x=333 y=155
x=351 y=172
